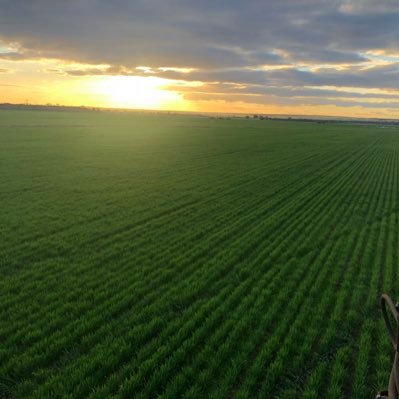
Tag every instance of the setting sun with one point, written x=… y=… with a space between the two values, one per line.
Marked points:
x=137 y=92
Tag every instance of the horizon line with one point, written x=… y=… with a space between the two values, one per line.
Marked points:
x=182 y=112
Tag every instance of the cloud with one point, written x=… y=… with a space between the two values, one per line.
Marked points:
x=275 y=48
x=384 y=77
x=198 y=34
x=309 y=56
x=288 y=95
x=352 y=7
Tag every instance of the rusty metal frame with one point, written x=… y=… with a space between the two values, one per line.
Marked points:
x=393 y=332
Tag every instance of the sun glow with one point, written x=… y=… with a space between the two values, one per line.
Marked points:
x=138 y=92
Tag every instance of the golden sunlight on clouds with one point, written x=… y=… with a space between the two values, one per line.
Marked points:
x=51 y=82
x=254 y=57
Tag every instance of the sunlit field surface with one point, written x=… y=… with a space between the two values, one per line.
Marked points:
x=161 y=256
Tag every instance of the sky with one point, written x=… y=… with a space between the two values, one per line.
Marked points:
x=307 y=57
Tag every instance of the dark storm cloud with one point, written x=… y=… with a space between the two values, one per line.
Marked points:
x=228 y=90
x=225 y=41
x=199 y=34
x=299 y=54
x=293 y=96
x=385 y=77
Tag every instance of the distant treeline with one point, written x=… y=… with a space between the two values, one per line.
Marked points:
x=47 y=107
x=321 y=120
x=326 y=120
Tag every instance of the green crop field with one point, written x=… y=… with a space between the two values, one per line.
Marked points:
x=164 y=256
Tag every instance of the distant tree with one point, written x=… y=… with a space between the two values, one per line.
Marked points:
x=255 y=116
